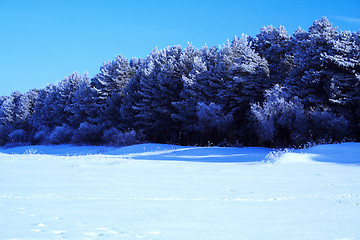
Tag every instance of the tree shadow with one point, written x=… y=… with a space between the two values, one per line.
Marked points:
x=345 y=153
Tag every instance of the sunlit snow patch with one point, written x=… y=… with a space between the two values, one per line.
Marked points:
x=286 y=156
x=291 y=157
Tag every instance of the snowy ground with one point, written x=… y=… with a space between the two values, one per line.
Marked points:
x=155 y=191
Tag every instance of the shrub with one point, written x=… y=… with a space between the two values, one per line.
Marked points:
x=327 y=126
x=18 y=136
x=87 y=133
x=61 y=134
x=114 y=137
x=279 y=121
x=41 y=137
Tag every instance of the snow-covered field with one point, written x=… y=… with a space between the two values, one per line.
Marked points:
x=155 y=191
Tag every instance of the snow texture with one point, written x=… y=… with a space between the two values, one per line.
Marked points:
x=154 y=191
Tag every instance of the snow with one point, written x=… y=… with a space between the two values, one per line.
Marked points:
x=157 y=191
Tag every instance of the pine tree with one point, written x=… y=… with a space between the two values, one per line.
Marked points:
x=63 y=98
x=212 y=123
x=26 y=109
x=41 y=117
x=160 y=86
x=82 y=106
x=246 y=78
x=109 y=85
x=8 y=111
x=274 y=45
x=128 y=109
x=311 y=73
x=192 y=92
x=344 y=61
x=2 y=99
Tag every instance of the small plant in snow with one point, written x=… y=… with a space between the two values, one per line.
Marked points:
x=274 y=156
x=31 y=151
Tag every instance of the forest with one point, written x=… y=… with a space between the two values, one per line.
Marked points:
x=274 y=90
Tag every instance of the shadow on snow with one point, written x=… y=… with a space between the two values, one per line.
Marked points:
x=345 y=153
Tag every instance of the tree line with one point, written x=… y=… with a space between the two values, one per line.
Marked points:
x=274 y=89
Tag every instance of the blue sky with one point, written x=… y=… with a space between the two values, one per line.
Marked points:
x=43 y=41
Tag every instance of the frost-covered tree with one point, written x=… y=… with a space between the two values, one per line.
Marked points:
x=128 y=110
x=131 y=95
x=113 y=76
x=9 y=116
x=326 y=70
x=311 y=73
x=63 y=95
x=81 y=107
x=56 y=104
x=344 y=84
x=212 y=123
x=246 y=78
x=274 y=45
x=191 y=94
x=160 y=86
x=109 y=85
x=9 y=110
x=344 y=62
x=280 y=121
x=208 y=77
x=26 y=109
x=2 y=99
x=42 y=117
x=186 y=59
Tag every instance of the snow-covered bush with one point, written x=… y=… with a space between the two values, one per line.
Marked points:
x=114 y=137
x=42 y=136
x=326 y=126
x=61 y=134
x=278 y=121
x=87 y=133
x=18 y=136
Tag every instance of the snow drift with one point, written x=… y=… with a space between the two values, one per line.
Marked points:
x=157 y=191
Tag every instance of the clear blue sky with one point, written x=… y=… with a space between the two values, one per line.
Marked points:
x=43 y=41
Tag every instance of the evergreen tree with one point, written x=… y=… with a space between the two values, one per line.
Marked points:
x=128 y=109
x=160 y=86
x=2 y=99
x=186 y=108
x=8 y=111
x=344 y=62
x=63 y=99
x=344 y=84
x=311 y=73
x=274 y=45
x=26 y=109
x=41 y=117
x=109 y=85
x=212 y=123
x=246 y=78
x=82 y=106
